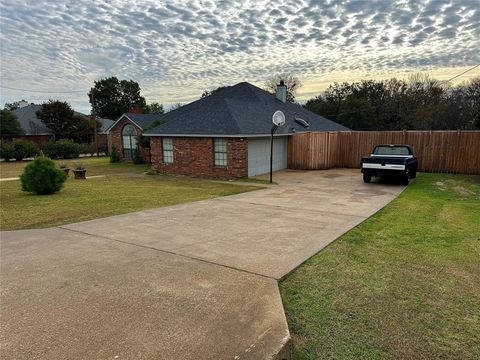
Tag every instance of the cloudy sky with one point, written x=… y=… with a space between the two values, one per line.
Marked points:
x=177 y=49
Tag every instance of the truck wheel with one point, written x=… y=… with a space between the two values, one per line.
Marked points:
x=367 y=177
x=405 y=179
x=413 y=175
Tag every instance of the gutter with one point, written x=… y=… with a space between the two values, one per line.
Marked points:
x=219 y=135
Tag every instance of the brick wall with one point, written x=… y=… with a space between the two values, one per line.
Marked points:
x=116 y=139
x=194 y=157
x=40 y=140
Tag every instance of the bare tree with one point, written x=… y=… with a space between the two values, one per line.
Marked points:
x=291 y=82
x=175 y=106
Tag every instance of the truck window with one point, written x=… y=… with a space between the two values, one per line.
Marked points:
x=391 y=150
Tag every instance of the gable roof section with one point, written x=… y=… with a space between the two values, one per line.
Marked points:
x=105 y=125
x=240 y=110
x=143 y=121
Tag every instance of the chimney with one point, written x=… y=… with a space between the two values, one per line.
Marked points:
x=136 y=110
x=281 y=92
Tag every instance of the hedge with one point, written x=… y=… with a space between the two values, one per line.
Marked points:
x=18 y=149
x=62 y=149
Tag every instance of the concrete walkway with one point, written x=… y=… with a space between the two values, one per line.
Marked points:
x=192 y=281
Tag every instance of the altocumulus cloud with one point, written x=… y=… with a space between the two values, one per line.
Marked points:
x=176 y=49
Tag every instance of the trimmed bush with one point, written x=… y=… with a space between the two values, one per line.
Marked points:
x=114 y=158
x=62 y=149
x=7 y=151
x=42 y=177
x=24 y=149
x=18 y=149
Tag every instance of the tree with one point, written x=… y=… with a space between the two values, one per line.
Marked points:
x=9 y=125
x=84 y=128
x=329 y=103
x=110 y=98
x=175 y=106
x=357 y=114
x=419 y=103
x=14 y=105
x=154 y=108
x=208 y=93
x=58 y=116
x=291 y=82
x=473 y=95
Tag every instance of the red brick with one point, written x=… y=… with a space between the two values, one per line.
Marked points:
x=116 y=139
x=193 y=156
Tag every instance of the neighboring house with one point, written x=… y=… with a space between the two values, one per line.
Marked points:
x=224 y=135
x=103 y=135
x=35 y=129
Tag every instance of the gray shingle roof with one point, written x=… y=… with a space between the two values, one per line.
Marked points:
x=143 y=120
x=27 y=117
x=242 y=109
x=106 y=123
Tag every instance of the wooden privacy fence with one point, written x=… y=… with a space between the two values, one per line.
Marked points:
x=437 y=151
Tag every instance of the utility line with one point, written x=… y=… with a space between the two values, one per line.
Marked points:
x=460 y=74
x=45 y=92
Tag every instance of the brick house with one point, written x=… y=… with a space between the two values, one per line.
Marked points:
x=125 y=132
x=36 y=131
x=225 y=135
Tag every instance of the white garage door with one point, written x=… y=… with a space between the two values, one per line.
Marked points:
x=259 y=155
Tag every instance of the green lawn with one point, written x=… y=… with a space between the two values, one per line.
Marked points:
x=99 y=197
x=405 y=284
x=94 y=166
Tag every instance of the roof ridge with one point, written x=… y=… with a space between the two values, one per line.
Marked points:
x=232 y=114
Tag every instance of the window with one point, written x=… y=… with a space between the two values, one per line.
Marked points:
x=167 y=144
x=129 y=141
x=387 y=150
x=220 y=151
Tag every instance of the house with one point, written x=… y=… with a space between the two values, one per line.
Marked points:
x=35 y=129
x=224 y=135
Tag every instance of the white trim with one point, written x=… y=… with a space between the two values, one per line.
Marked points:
x=383 y=167
x=107 y=131
x=218 y=136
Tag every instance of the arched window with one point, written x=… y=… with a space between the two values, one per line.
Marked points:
x=129 y=141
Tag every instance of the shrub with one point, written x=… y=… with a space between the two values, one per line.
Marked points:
x=114 y=158
x=7 y=151
x=89 y=149
x=24 y=149
x=42 y=177
x=103 y=149
x=62 y=149
x=137 y=159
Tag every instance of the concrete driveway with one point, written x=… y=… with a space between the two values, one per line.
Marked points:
x=192 y=281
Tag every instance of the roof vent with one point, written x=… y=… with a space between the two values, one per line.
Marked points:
x=301 y=121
